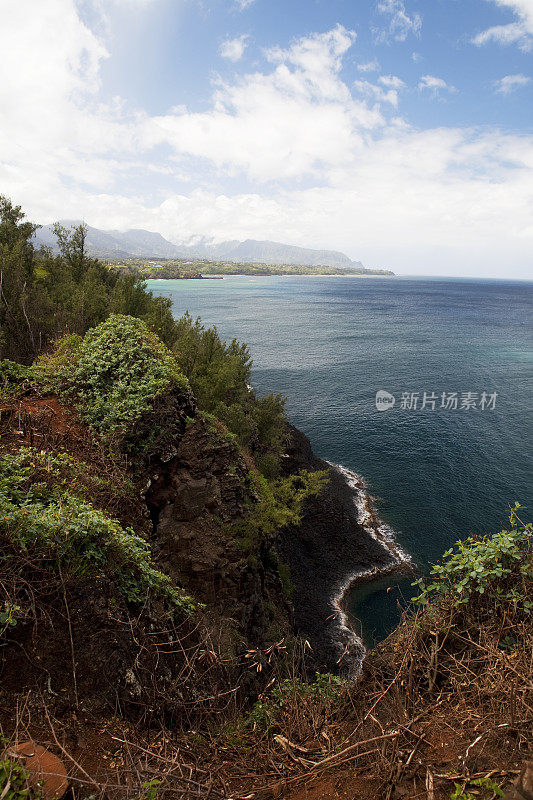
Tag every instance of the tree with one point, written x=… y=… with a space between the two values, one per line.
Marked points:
x=72 y=247
x=17 y=335
x=43 y=296
x=12 y=227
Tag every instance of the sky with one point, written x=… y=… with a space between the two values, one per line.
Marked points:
x=397 y=131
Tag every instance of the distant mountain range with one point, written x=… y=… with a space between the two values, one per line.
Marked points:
x=139 y=243
x=116 y=244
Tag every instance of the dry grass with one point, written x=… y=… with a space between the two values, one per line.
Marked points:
x=439 y=703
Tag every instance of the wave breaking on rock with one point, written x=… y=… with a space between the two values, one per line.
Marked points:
x=351 y=644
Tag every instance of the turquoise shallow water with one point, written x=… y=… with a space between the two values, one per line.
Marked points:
x=329 y=344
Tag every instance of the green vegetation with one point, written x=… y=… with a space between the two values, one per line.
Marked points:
x=14 y=783
x=150 y=790
x=491 y=790
x=9 y=616
x=321 y=695
x=49 y=303
x=104 y=344
x=11 y=376
x=498 y=567
x=220 y=375
x=195 y=268
x=114 y=374
x=31 y=474
x=44 y=296
x=280 y=505
x=65 y=533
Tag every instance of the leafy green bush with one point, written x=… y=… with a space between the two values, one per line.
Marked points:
x=54 y=370
x=30 y=474
x=497 y=567
x=82 y=540
x=114 y=374
x=11 y=376
x=14 y=782
x=65 y=532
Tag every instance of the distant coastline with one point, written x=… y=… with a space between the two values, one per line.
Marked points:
x=177 y=272
x=272 y=275
x=199 y=268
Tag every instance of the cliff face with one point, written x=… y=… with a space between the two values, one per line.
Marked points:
x=189 y=487
x=195 y=496
x=182 y=493
x=193 y=500
x=323 y=552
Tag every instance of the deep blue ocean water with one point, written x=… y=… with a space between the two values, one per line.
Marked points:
x=329 y=344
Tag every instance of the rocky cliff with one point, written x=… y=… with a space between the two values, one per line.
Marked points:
x=328 y=547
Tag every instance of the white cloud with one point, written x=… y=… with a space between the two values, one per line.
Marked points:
x=401 y=24
x=377 y=93
x=233 y=49
x=512 y=33
x=284 y=123
x=519 y=32
x=48 y=106
x=435 y=85
x=510 y=83
x=392 y=81
x=369 y=66
x=244 y=4
x=416 y=57
x=317 y=163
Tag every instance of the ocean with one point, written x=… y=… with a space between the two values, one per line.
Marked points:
x=452 y=453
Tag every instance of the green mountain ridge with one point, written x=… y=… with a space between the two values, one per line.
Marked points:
x=139 y=243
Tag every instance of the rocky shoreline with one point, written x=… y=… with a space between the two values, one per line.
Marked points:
x=339 y=542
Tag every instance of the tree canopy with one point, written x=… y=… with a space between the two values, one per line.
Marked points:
x=45 y=297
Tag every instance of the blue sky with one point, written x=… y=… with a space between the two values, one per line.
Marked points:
x=164 y=53
x=398 y=132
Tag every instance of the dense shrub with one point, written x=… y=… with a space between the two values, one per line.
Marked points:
x=63 y=532
x=220 y=374
x=12 y=375
x=114 y=373
x=498 y=567
x=45 y=296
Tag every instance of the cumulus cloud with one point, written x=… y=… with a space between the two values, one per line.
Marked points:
x=435 y=85
x=392 y=81
x=400 y=25
x=278 y=124
x=233 y=49
x=319 y=163
x=519 y=32
x=510 y=83
x=369 y=66
x=50 y=119
x=389 y=94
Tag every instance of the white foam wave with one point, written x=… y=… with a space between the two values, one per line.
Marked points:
x=366 y=517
